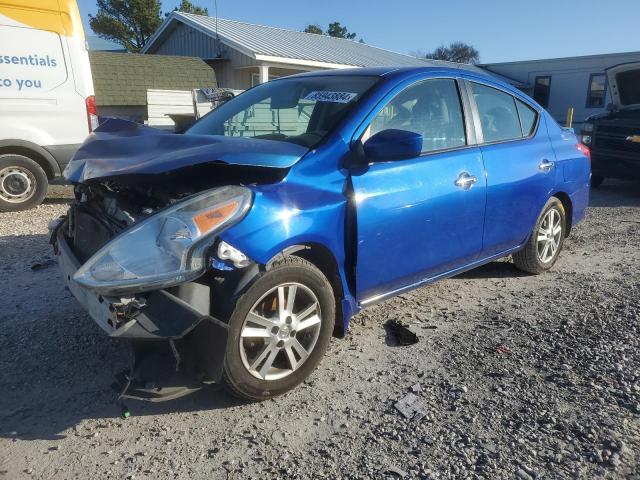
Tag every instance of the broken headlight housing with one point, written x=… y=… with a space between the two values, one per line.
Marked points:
x=167 y=248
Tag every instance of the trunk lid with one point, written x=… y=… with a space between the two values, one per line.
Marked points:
x=119 y=147
x=624 y=84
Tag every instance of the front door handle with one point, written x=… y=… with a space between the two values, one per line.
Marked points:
x=466 y=181
x=546 y=165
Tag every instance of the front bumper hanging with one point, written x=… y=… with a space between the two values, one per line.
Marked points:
x=158 y=315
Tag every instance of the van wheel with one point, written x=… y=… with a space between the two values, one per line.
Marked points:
x=279 y=330
x=543 y=247
x=23 y=183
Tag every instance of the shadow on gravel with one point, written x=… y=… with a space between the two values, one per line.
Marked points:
x=57 y=200
x=616 y=193
x=499 y=269
x=49 y=419
x=56 y=365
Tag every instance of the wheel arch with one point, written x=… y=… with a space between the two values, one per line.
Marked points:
x=567 y=204
x=34 y=152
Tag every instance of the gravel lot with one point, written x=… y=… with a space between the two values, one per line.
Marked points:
x=518 y=376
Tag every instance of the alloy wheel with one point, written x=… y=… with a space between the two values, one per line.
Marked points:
x=549 y=235
x=280 y=331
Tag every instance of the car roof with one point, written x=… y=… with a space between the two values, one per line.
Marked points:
x=470 y=72
x=447 y=68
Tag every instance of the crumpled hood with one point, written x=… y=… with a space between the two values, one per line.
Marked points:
x=119 y=147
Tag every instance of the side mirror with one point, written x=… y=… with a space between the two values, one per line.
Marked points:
x=393 y=144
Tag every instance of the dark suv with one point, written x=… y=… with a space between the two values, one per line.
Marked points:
x=614 y=136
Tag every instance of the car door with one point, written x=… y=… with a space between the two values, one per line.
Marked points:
x=423 y=216
x=519 y=162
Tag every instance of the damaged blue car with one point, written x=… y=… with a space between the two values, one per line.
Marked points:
x=250 y=239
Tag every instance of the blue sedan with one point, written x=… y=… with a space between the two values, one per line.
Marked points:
x=251 y=238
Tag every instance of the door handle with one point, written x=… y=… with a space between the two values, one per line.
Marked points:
x=466 y=181
x=546 y=165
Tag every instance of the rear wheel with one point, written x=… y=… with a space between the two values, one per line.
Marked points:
x=543 y=247
x=23 y=183
x=279 y=330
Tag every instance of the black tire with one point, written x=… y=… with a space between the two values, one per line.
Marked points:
x=17 y=171
x=596 y=181
x=528 y=259
x=236 y=375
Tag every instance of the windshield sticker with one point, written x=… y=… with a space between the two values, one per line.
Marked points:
x=334 y=97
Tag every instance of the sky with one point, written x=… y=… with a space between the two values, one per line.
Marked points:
x=502 y=30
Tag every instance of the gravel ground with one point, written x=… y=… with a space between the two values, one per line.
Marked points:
x=517 y=377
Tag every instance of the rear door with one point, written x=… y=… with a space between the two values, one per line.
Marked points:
x=519 y=161
x=415 y=218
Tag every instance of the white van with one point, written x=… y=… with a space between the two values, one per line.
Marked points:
x=47 y=107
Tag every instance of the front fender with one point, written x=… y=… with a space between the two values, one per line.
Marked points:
x=300 y=210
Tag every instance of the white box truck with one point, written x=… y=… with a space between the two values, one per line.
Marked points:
x=47 y=107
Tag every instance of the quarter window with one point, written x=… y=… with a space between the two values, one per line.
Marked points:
x=528 y=117
x=542 y=90
x=430 y=108
x=597 y=89
x=498 y=113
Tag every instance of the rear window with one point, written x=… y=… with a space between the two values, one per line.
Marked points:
x=629 y=87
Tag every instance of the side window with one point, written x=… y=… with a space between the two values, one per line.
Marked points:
x=431 y=108
x=498 y=113
x=597 y=89
x=528 y=117
x=542 y=90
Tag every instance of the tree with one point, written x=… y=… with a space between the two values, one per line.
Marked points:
x=128 y=22
x=187 y=7
x=338 y=31
x=458 y=52
x=314 y=28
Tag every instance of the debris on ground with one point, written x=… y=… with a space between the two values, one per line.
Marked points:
x=396 y=471
x=503 y=349
x=411 y=407
x=399 y=333
x=39 y=265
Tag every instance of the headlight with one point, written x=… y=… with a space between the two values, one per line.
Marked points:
x=167 y=248
x=587 y=127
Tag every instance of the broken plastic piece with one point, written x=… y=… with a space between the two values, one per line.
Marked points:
x=504 y=350
x=411 y=407
x=400 y=333
x=126 y=413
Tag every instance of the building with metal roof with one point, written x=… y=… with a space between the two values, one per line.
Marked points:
x=245 y=54
x=559 y=83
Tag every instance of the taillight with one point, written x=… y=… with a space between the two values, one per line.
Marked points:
x=92 y=113
x=584 y=149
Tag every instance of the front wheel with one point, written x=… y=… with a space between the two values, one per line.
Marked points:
x=543 y=247
x=23 y=183
x=279 y=330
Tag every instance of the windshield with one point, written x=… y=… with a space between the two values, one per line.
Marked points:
x=300 y=110
x=629 y=87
